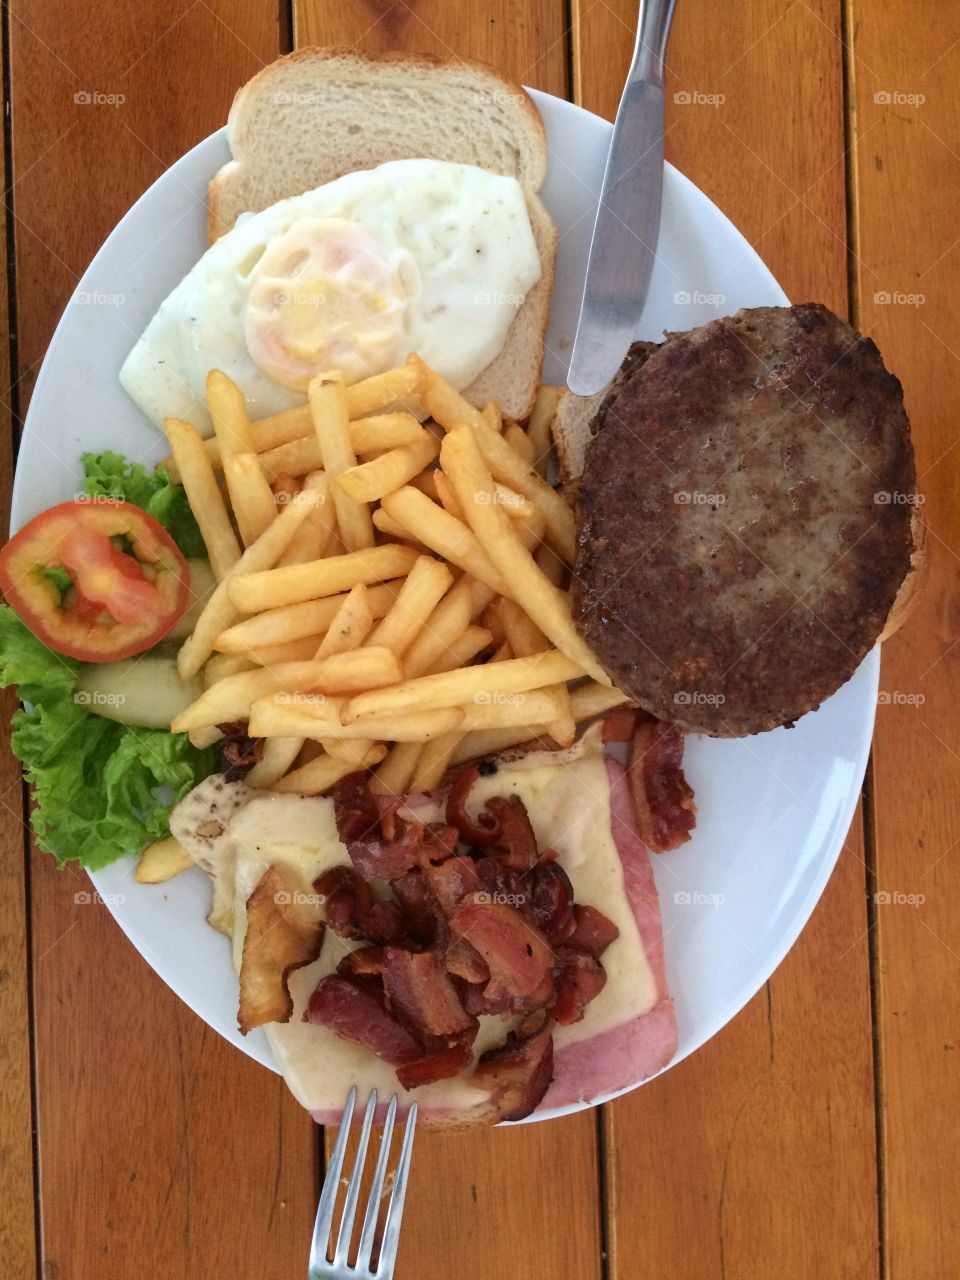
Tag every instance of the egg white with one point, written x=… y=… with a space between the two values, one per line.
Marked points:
x=467 y=254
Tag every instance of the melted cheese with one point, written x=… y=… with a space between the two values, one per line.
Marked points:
x=569 y=808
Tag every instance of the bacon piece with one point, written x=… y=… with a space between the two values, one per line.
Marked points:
x=280 y=937
x=593 y=931
x=385 y=922
x=440 y=841
x=356 y=810
x=619 y=725
x=518 y=1074
x=387 y=860
x=500 y=883
x=348 y=898
x=486 y=829
x=551 y=902
x=581 y=979
x=238 y=751
x=662 y=801
x=438 y=1065
x=419 y=903
x=451 y=881
x=417 y=986
x=464 y=961
x=517 y=844
x=354 y=1008
x=367 y=961
x=515 y=950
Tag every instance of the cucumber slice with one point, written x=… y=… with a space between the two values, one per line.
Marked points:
x=145 y=691
x=202 y=583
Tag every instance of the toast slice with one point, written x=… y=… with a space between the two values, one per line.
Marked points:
x=316 y=114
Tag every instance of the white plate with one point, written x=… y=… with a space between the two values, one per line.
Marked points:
x=773 y=810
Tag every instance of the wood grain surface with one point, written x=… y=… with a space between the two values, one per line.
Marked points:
x=905 y=260
x=829 y=131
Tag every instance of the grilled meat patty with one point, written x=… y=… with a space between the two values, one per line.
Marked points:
x=744 y=518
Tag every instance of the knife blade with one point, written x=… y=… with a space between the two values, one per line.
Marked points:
x=625 y=233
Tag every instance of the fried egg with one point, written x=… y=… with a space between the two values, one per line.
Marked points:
x=419 y=256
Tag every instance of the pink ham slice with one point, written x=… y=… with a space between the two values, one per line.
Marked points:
x=632 y=1052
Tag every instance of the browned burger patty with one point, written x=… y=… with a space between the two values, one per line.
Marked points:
x=744 y=518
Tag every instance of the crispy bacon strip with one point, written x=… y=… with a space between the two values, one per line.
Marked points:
x=486 y=829
x=348 y=898
x=417 y=986
x=593 y=931
x=517 y=844
x=515 y=951
x=438 y=1065
x=354 y=1008
x=581 y=980
x=551 y=902
x=619 y=725
x=518 y=1074
x=280 y=937
x=662 y=801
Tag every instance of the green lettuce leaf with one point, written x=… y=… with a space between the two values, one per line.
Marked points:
x=110 y=475
x=101 y=789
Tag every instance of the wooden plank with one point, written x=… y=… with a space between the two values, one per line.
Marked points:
x=906 y=266
x=18 y=1244
x=157 y=1139
x=786 y=1091
x=494 y=1181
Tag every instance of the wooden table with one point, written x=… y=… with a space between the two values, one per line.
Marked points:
x=816 y=1136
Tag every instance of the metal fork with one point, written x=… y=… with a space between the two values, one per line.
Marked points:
x=339 y=1268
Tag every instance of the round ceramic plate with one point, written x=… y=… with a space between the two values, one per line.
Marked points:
x=773 y=810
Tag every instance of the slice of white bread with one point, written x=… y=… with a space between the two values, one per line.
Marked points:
x=316 y=114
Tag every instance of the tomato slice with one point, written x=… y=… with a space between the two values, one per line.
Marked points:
x=120 y=601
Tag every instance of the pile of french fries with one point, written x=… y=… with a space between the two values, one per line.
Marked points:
x=390 y=592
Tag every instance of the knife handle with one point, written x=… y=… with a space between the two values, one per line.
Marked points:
x=653 y=31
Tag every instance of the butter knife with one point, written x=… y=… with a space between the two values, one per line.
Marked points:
x=627 y=226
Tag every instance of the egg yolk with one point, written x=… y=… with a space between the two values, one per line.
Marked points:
x=325 y=295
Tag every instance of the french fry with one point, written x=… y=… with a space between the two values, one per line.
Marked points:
x=551 y=566
x=301 y=650
x=441 y=532
x=219 y=613
x=424 y=587
x=370 y=481
x=448 y=498
x=426 y=482
x=449 y=620
x=230 y=698
x=520 y=443
x=278 y=755
x=324 y=720
x=222 y=665
x=292 y=458
x=432 y=763
x=525 y=638
x=203 y=494
x=331 y=419
x=594 y=699
x=203 y=738
x=383 y=431
x=317 y=777
x=292 y=621
x=393 y=776
x=492 y=416
x=395 y=531
x=162 y=861
x=228 y=410
x=462 y=650
x=444 y=403
x=313 y=539
x=254 y=592
x=456 y=688
x=547 y=606
x=350 y=625
x=487 y=711
x=251 y=497
x=490 y=742
x=538 y=428
x=385 y=391
x=509 y=468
